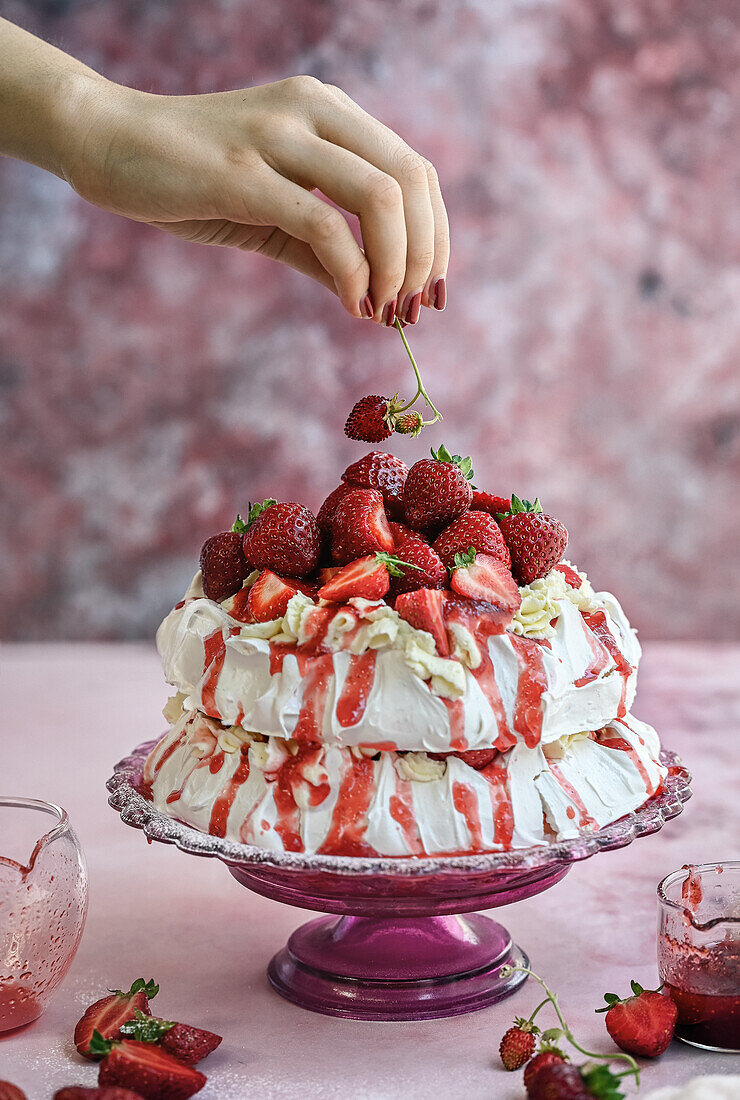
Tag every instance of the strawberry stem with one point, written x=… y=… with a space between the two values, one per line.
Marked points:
x=420 y=391
x=552 y=998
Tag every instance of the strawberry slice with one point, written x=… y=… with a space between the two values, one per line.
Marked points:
x=145 y=1069
x=481 y=577
x=368 y=577
x=108 y=1014
x=424 y=610
x=186 y=1043
x=269 y=597
x=77 y=1092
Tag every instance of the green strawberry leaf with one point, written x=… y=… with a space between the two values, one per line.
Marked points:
x=393 y=564
x=611 y=999
x=464 y=558
x=518 y=506
x=256 y=510
x=636 y=988
x=147 y=1029
x=465 y=465
x=150 y=989
x=239 y=526
x=99 y=1046
x=602 y=1083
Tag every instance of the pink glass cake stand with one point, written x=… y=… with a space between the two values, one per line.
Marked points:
x=399 y=948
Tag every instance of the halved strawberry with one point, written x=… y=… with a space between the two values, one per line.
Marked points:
x=360 y=527
x=186 y=1043
x=478 y=759
x=328 y=572
x=145 y=1068
x=269 y=597
x=423 y=609
x=108 y=1014
x=368 y=577
x=77 y=1092
x=481 y=577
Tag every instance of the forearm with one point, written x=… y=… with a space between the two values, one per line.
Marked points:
x=42 y=95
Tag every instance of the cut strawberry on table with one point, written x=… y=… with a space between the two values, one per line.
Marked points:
x=481 y=577
x=146 y=1069
x=437 y=490
x=269 y=597
x=384 y=472
x=536 y=542
x=424 y=610
x=188 y=1044
x=360 y=527
x=282 y=537
x=368 y=577
x=223 y=564
x=107 y=1092
x=108 y=1014
x=642 y=1024
x=474 y=529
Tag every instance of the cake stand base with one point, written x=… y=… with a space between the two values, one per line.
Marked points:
x=407 y=968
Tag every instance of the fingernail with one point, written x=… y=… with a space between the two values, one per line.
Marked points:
x=411 y=308
x=389 y=312
x=439 y=294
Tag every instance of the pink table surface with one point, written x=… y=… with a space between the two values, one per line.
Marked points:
x=70 y=712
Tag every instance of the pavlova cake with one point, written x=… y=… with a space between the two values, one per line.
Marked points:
x=413 y=671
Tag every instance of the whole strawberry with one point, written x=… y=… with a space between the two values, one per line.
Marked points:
x=536 y=542
x=474 y=529
x=409 y=423
x=189 y=1045
x=282 y=537
x=370 y=419
x=488 y=502
x=559 y=1081
x=427 y=571
x=642 y=1024
x=437 y=490
x=328 y=508
x=223 y=564
x=359 y=527
x=11 y=1092
x=518 y=1043
x=546 y=1057
x=384 y=472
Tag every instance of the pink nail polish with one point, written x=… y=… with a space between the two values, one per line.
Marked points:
x=389 y=312
x=366 y=306
x=411 y=308
x=439 y=294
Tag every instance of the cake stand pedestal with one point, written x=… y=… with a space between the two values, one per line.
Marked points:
x=404 y=941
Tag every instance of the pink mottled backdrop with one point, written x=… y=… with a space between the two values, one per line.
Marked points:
x=590 y=156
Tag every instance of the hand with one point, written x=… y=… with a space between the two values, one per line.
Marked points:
x=240 y=168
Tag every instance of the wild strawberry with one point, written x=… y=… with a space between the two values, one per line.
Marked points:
x=423 y=568
x=77 y=1092
x=561 y=1081
x=642 y=1024
x=487 y=502
x=108 y=1014
x=437 y=490
x=478 y=759
x=368 y=577
x=359 y=527
x=284 y=538
x=423 y=609
x=409 y=424
x=384 y=472
x=518 y=1043
x=369 y=419
x=223 y=564
x=329 y=507
x=481 y=577
x=188 y=1044
x=11 y=1092
x=546 y=1057
x=145 y=1068
x=536 y=541
x=269 y=597
x=474 y=529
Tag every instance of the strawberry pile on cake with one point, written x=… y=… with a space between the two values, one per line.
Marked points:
x=413 y=671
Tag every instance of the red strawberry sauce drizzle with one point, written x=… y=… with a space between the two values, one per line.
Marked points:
x=465 y=801
x=346 y=834
x=356 y=689
x=600 y=655
x=456 y=715
x=286 y=778
x=503 y=814
x=596 y=621
x=532 y=683
x=623 y=745
x=214 y=647
x=486 y=677
x=317 y=675
x=401 y=808
x=584 y=817
x=225 y=800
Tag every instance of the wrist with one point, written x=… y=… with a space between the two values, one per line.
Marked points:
x=84 y=104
